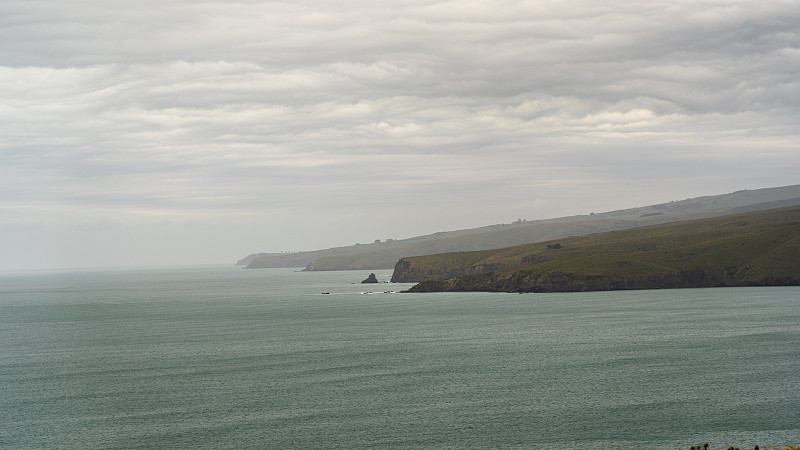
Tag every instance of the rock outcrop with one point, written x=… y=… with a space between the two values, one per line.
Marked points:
x=370 y=279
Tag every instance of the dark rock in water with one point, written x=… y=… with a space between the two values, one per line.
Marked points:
x=370 y=279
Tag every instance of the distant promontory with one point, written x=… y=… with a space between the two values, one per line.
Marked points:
x=384 y=254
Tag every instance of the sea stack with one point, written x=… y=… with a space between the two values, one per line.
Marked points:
x=370 y=279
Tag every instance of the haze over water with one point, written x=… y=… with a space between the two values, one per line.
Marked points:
x=228 y=358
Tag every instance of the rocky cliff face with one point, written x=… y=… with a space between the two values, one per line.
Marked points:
x=562 y=282
x=405 y=271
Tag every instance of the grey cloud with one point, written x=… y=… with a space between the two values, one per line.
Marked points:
x=202 y=108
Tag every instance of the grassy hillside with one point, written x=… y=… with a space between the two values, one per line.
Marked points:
x=739 y=250
x=384 y=254
x=502 y=236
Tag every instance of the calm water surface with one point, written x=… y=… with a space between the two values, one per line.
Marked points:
x=231 y=358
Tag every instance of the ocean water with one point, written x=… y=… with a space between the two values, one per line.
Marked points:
x=219 y=357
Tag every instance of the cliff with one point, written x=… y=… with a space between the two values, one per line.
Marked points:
x=758 y=249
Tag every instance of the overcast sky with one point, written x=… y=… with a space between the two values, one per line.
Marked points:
x=188 y=131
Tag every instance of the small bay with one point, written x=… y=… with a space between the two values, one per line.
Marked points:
x=219 y=357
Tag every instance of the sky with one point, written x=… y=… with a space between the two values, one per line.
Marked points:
x=137 y=133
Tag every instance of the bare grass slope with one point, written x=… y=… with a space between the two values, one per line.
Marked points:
x=755 y=249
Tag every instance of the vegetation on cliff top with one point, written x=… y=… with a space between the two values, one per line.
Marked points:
x=741 y=250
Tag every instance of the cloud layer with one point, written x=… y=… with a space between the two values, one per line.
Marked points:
x=307 y=124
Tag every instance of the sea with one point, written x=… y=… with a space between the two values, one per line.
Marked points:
x=221 y=357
